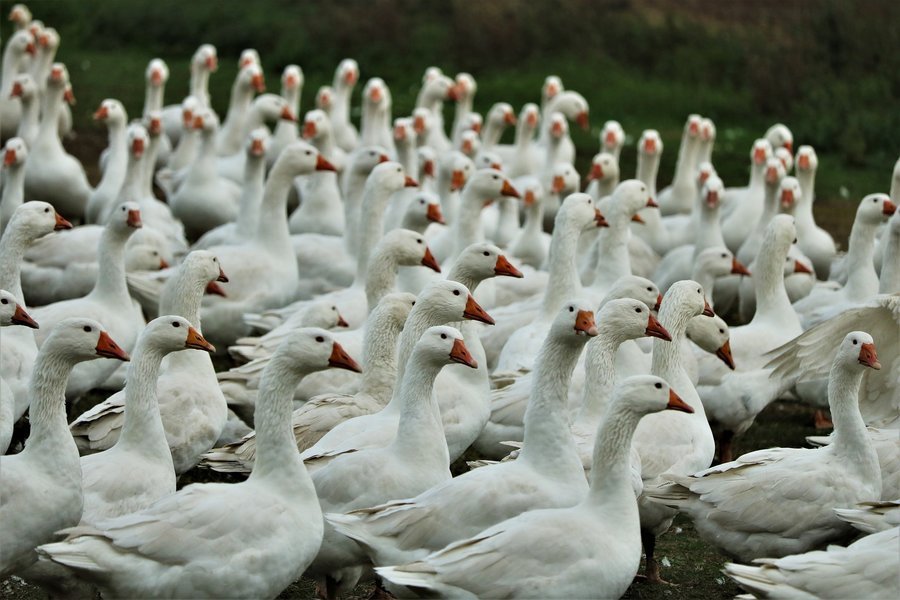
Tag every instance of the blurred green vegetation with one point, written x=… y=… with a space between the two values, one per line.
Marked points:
x=829 y=69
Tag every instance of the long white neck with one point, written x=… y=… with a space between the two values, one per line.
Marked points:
x=862 y=282
x=563 y=282
x=13 y=193
x=371 y=224
x=143 y=429
x=611 y=467
x=251 y=196
x=420 y=432
x=599 y=374
x=851 y=439
x=111 y=287
x=276 y=449
x=548 y=443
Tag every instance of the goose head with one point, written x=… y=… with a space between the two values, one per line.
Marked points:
x=205 y=59
x=637 y=288
x=807 y=161
x=711 y=335
x=20 y=16
x=465 y=87
x=377 y=95
x=300 y=158
x=553 y=85
x=789 y=193
x=272 y=107
x=687 y=296
x=564 y=179
x=858 y=348
x=448 y=301
x=455 y=168
x=404 y=132
x=389 y=177
x=786 y=158
x=346 y=75
x=779 y=136
x=366 y=158
x=249 y=56
x=14 y=153
x=630 y=319
x=111 y=112
x=408 y=248
x=469 y=143
x=488 y=160
x=37 y=219
x=875 y=209
x=292 y=79
x=604 y=167
x=258 y=142
x=612 y=137
x=489 y=184
x=323 y=314
x=650 y=143
x=719 y=261
x=574 y=323
x=646 y=394
x=325 y=98
x=157 y=73
x=171 y=333
x=24 y=88
x=314 y=349
x=483 y=260
x=12 y=313
x=579 y=210
x=81 y=339
x=251 y=79
x=316 y=125
x=443 y=345
x=711 y=192
x=423 y=209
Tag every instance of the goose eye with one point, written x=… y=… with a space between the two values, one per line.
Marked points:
x=320 y=339
x=854 y=342
x=443 y=336
x=486 y=253
x=88 y=329
x=176 y=324
x=456 y=292
x=657 y=385
x=637 y=310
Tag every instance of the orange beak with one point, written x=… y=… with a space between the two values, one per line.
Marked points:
x=737 y=268
x=799 y=267
x=676 y=403
x=433 y=214
x=61 y=223
x=724 y=354
x=474 y=312
x=258 y=83
x=868 y=356
x=584 y=323
x=599 y=219
x=214 y=289
x=460 y=354
x=655 y=329
x=583 y=120
x=107 y=348
x=134 y=218
x=509 y=190
x=20 y=317
x=340 y=359
x=323 y=165
x=309 y=130
x=429 y=261
x=506 y=268
x=195 y=341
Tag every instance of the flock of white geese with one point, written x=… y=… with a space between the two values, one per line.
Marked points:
x=403 y=294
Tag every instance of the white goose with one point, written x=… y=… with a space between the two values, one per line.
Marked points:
x=11 y=313
x=416 y=458
x=280 y=523
x=732 y=504
x=30 y=221
x=51 y=174
x=599 y=550
x=191 y=404
x=137 y=471
x=15 y=152
x=322 y=413
x=42 y=484
x=547 y=474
